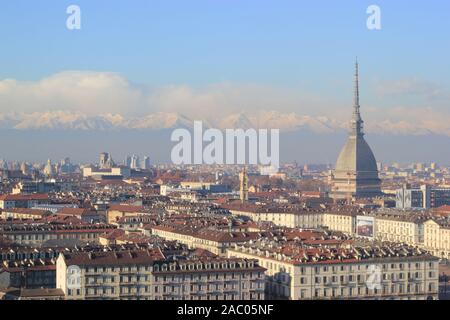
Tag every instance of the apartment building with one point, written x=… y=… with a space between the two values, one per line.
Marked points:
x=404 y=228
x=100 y=173
x=387 y=225
x=211 y=279
x=31 y=294
x=30 y=187
x=38 y=234
x=149 y=275
x=8 y=201
x=31 y=274
x=213 y=240
x=118 y=211
x=419 y=229
x=23 y=213
x=422 y=197
x=11 y=253
x=437 y=238
x=344 y=221
x=107 y=275
x=289 y=216
x=370 y=272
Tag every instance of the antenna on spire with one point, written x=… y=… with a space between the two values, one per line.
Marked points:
x=357 y=123
x=356 y=102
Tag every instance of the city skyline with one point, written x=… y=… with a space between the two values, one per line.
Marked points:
x=228 y=158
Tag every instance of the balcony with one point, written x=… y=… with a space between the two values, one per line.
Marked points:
x=198 y=281
x=130 y=294
x=127 y=272
x=100 y=284
x=331 y=284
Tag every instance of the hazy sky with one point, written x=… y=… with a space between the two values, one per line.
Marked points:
x=212 y=58
x=200 y=42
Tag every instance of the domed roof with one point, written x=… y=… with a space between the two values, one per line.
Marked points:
x=356 y=171
x=356 y=156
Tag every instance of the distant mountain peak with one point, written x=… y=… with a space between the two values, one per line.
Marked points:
x=65 y=120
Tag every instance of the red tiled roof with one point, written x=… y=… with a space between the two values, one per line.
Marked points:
x=76 y=211
x=36 y=212
x=114 y=234
x=445 y=208
x=23 y=197
x=126 y=208
x=113 y=258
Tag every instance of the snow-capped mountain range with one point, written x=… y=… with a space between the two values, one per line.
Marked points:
x=156 y=121
x=64 y=120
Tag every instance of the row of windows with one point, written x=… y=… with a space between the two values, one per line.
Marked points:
x=118 y=269
x=243 y=296
x=364 y=290
x=157 y=290
x=23 y=256
x=352 y=268
x=208 y=287
x=216 y=276
x=360 y=278
x=53 y=236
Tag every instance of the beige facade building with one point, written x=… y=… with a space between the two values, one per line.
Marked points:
x=340 y=221
x=9 y=201
x=413 y=228
x=215 y=241
x=401 y=228
x=116 y=212
x=428 y=232
x=362 y=273
x=416 y=229
x=23 y=213
x=92 y=172
x=32 y=235
x=437 y=238
x=147 y=275
x=289 y=217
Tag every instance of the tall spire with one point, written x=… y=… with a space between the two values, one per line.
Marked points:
x=356 y=88
x=357 y=123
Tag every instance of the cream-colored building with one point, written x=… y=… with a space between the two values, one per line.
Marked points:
x=308 y=219
x=404 y=229
x=215 y=241
x=118 y=211
x=416 y=229
x=349 y=275
x=93 y=172
x=437 y=238
x=340 y=221
x=146 y=275
x=39 y=235
x=23 y=213
x=413 y=228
